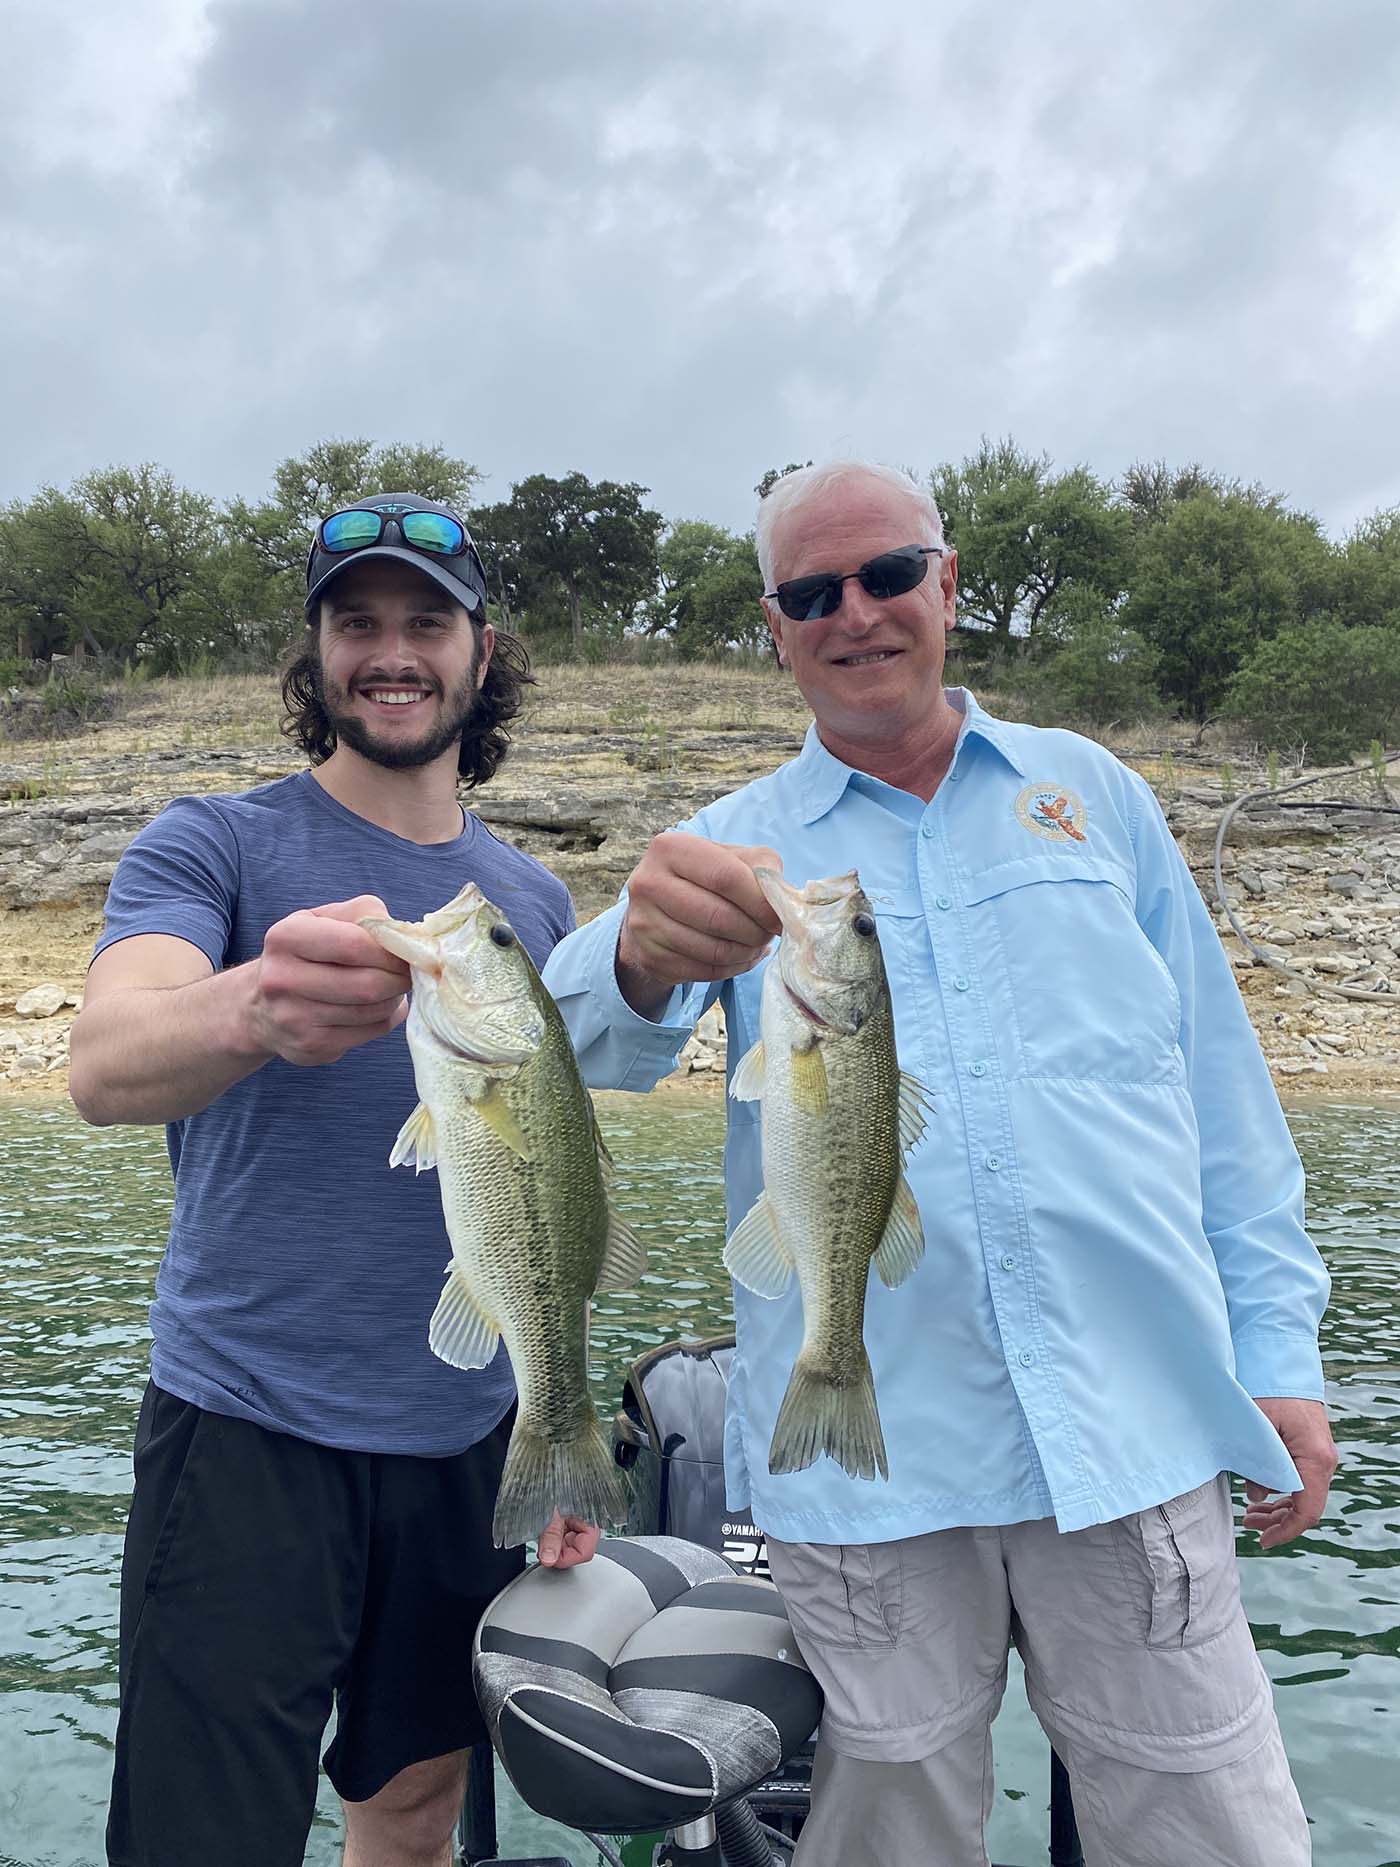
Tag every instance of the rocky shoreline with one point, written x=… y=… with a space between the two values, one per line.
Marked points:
x=1313 y=877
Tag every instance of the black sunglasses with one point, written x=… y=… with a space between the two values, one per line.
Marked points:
x=893 y=573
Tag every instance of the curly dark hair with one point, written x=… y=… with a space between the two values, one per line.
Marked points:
x=485 y=738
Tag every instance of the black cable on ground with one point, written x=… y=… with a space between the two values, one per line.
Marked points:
x=1264 y=957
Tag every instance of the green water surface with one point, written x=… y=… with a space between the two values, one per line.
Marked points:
x=82 y=1219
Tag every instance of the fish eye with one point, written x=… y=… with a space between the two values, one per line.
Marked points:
x=863 y=925
x=503 y=935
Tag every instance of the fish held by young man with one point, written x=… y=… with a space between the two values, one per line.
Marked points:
x=838 y=1120
x=504 y=1117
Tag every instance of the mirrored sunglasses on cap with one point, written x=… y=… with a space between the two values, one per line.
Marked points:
x=892 y=573
x=434 y=532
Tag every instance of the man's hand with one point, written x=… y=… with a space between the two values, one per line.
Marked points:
x=1302 y=1426
x=323 y=985
x=565 y=1541
x=694 y=911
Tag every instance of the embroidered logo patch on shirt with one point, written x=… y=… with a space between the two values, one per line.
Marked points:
x=1053 y=812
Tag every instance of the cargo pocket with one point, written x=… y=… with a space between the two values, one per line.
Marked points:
x=846 y=1595
x=1181 y=1555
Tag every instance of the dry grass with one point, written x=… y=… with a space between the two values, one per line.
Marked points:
x=242 y=713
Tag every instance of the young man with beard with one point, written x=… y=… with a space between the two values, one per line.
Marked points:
x=314 y=1489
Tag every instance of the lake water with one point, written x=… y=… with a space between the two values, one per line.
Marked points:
x=82 y=1219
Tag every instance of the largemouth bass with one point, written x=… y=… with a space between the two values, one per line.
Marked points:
x=507 y=1122
x=837 y=1121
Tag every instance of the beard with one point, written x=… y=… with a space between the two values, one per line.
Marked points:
x=457 y=712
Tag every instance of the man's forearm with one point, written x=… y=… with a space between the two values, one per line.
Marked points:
x=158 y=1054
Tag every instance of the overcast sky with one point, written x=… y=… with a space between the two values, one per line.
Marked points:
x=679 y=241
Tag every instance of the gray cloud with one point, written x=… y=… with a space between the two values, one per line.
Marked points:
x=682 y=243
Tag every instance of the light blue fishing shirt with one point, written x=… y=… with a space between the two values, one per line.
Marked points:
x=1116 y=1259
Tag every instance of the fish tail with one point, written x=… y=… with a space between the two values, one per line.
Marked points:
x=578 y=1475
x=821 y=1414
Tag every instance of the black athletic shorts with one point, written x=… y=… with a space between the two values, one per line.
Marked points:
x=265 y=1577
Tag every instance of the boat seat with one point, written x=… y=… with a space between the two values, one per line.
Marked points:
x=643 y=1689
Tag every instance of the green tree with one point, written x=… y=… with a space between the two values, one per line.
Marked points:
x=709 y=593
x=122 y=561
x=1367 y=587
x=1150 y=488
x=41 y=570
x=1026 y=537
x=774 y=474
x=148 y=572
x=1089 y=668
x=1322 y=686
x=1219 y=575
x=496 y=531
x=593 y=543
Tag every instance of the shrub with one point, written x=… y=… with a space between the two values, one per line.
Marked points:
x=1323 y=687
x=65 y=704
x=1102 y=675
x=18 y=671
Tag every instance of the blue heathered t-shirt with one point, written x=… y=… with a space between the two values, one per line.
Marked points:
x=300 y=1272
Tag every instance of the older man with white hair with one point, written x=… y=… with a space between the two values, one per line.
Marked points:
x=1118 y=1304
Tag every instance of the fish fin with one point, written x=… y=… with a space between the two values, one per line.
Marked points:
x=749 y=1075
x=899 y=1251
x=460 y=1332
x=914 y=1111
x=756 y=1256
x=809 y=1086
x=416 y=1145
x=499 y=1117
x=405 y=941
x=624 y=1256
x=818 y=1415
x=577 y=1476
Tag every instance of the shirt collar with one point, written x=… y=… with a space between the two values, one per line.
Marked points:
x=822 y=777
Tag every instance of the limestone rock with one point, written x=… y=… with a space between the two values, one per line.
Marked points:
x=41 y=1001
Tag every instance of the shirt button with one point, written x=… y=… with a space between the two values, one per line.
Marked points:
x=977 y=1069
x=992 y=1163
x=926 y=829
x=943 y=901
x=1008 y=1261
x=1026 y=1358
x=961 y=983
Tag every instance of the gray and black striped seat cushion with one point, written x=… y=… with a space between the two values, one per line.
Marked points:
x=643 y=1688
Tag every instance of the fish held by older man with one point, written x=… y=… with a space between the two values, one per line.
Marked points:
x=507 y=1122
x=838 y=1120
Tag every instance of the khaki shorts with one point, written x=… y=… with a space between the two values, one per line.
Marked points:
x=1138 y=1658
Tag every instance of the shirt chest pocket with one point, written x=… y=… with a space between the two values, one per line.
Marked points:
x=1074 y=987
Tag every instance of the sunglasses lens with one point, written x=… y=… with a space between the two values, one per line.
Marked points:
x=349 y=531
x=433 y=531
x=808 y=599
x=894 y=572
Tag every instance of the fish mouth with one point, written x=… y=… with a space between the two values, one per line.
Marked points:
x=803 y=1006
x=483 y=1050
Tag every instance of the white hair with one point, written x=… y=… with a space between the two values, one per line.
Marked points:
x=795 y=489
